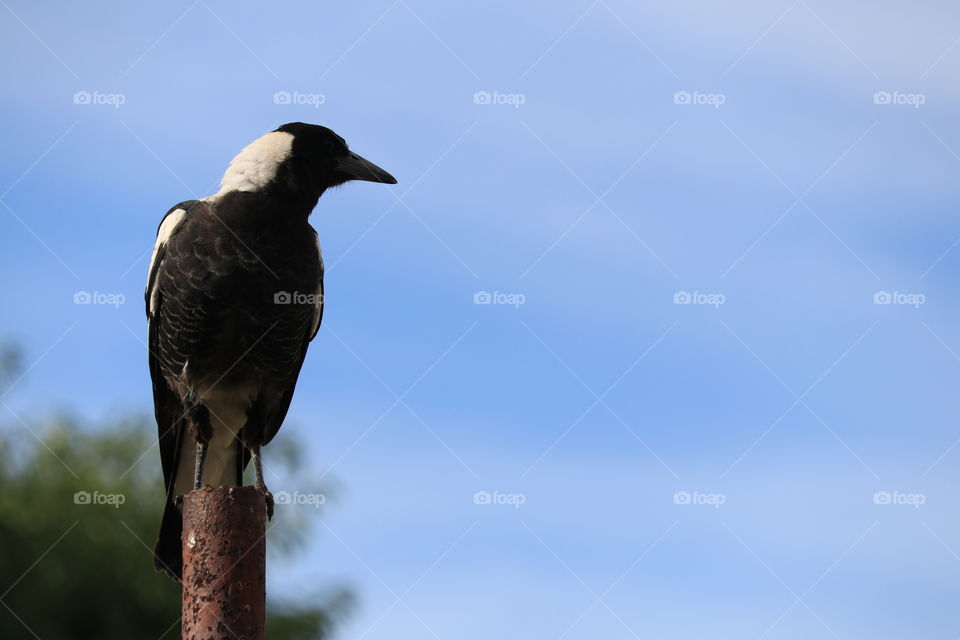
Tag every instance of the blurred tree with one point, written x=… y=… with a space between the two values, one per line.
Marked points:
x=79 y=509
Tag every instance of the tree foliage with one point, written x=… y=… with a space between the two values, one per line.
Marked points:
x=79 y=511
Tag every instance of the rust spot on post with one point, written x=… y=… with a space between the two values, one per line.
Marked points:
x=224 y=564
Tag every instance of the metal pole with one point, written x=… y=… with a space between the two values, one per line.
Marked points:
x=224 y=564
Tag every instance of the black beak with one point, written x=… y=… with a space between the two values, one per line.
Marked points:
x=359 y=168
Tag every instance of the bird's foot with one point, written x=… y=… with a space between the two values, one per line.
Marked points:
x=267 y=498
x=259 y=483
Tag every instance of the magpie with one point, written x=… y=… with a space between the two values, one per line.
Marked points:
x=234 y=296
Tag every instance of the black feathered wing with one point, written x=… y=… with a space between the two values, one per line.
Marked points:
x=168 y=406
x=276 y=412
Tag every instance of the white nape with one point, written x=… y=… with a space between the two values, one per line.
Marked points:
x=255 y=166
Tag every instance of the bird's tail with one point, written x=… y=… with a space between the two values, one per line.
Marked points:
x=167 y=553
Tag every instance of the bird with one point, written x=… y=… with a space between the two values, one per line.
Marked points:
x=234 y=297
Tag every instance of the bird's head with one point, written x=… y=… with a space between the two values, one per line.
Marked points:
x=300 y=161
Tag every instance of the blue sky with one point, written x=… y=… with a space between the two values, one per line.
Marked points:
x=600 y=160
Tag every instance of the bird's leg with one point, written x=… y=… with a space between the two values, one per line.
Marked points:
x=198 y=422
x=252 y=436
x=198 y=468
x=258 y=483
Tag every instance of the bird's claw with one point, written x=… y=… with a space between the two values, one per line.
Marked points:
x=268 y=499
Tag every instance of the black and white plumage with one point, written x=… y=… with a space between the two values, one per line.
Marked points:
x=234 y=296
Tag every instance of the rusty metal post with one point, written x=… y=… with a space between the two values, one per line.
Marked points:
x=224 y=564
